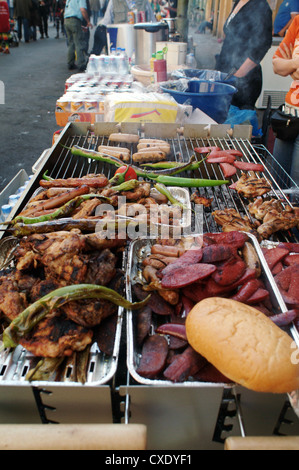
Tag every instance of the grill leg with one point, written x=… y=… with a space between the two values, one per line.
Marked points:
x=282 y=419
x=228 y=398
x=41 y=406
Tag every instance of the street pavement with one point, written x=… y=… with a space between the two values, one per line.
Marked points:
x=34 y=76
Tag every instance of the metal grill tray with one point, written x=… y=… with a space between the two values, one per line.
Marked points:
x=139 y=250
x=293 y=330
x=16 y=363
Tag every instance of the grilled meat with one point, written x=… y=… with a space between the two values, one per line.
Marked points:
x=231 y=220
x=57 y=336
x=198 y=199
x=89 y=313
x=66 y=256
x=142 y=190
x=101 y=268
x=259 y=208
x=86 y=209
x=251 y=186
x=273 y=216
x=12 y=299
x=44 y=287
x=275 y=221
x=91 y=180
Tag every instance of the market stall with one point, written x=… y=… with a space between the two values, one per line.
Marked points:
x=212 y=181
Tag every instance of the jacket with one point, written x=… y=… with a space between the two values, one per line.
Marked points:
x=22 y=8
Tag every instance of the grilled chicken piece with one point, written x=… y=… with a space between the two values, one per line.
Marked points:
x=259 y=208
x=100 y=268
x=86 y=209
x=198 y=199
x=142 y=190
x=89 y=313
x=63 y=257
x=12 y=300
x=56 y=336
x=44 y=287
x=275 y=221
x=251 y=186
x=231 y=220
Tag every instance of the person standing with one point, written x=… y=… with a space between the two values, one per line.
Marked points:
x=74 y=14
x=58 y=14
x=172 y=8
x=35 y=20
x=95 y=10
x=248 y=37
x=286 y=63
x=44 y=9
x=284 y=17
x=22 y=13
x=86 y=32
x=117 y=13
x=4 y=26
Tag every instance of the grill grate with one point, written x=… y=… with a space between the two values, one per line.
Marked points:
x=60 y=163
x=282 y=186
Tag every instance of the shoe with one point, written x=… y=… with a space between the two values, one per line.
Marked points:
x=42 y=37
x=72 y=67
x=47 y=36
x=57 y=36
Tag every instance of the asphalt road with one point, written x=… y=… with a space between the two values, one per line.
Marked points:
x=33 y=75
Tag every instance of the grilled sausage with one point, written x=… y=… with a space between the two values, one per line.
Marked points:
x=119 y=137
x=152 y=156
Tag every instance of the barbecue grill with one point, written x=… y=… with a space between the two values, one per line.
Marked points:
x=60 y=163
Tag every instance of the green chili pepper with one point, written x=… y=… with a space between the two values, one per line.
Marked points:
x=33 y=314
x=177 y=168
x=46 y=177
x=187 y=182
x=163 y=190
x=126 y=186
x=119 y=178
x=62 y=211
x=174 y=167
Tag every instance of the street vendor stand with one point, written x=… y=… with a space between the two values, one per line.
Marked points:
x=189 y=415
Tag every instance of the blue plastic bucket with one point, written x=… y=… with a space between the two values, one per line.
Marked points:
x=213 y=98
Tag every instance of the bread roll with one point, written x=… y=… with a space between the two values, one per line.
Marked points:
x=244 y=344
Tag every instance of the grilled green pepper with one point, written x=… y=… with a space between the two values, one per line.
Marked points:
x=33 y=314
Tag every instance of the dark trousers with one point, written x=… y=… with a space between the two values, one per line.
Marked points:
x=76 y=44
x=44 y=24
x=23 y=22
x=100 y=40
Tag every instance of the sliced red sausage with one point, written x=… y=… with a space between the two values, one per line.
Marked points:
x=154 y=355
x=183 y=277
x=228 y=170
x=247 y=166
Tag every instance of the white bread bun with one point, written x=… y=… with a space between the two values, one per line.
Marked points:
x=244 y=344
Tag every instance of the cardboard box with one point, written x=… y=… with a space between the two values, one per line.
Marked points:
x=176 y=52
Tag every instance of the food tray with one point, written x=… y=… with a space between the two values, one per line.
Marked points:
x=183 y=196
x=293 y=330
x=138 y=250
x=16 y=363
